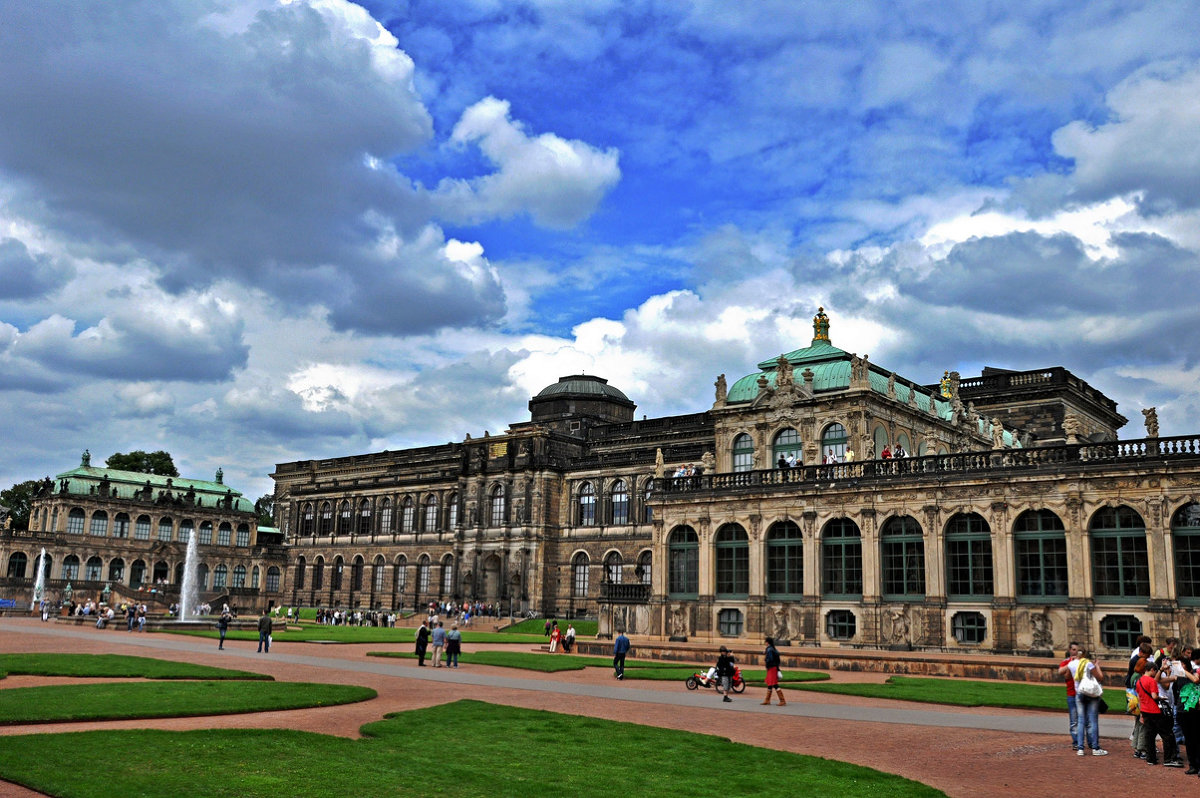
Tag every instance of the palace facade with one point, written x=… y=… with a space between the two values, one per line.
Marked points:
x=1018 y=520
x=122 y=536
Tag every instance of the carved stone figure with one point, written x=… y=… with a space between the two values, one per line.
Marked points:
x=786 y=622
x=944 y=386
x=997 y=434
x=659 y=465
x=857 y=372
x=722 y=389
x=709 y=462
x=891 y=389
x=783 y=373
x=899 y=634
x=1151 y=414
x=679 y=620
x=1072 y=428
x=1039 y=623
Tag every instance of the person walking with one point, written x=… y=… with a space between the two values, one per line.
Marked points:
x=620 y=649
x=453 y=646
x=422 y=642
x=439 y=643
x=222 y=628
x=264 y=633
x=772 y=661
x=725 y=664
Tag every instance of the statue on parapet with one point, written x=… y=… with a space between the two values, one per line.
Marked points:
x=722 y=389
x=1151 y=414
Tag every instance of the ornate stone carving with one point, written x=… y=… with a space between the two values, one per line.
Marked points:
x=1151 y=414
x=785 y=622
x=1043 y=630
x=680 y=622
x=899 y=627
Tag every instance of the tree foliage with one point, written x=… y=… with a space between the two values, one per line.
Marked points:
x=18 y=499
x=159 y=462
x=265 y=507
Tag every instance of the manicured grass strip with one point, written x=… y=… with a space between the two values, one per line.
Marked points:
x=115 y=666
x=308 y=633
x=960 y=692
x=537 y=626
x=124 y=700
x=497 y=750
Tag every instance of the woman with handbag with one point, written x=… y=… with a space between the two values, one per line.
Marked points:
x=1189 y=711
x=1088 y=690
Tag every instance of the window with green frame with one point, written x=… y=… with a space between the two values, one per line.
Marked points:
x=683 y=563
x=1120 y=563
x=1120 y=631
x=1040 y=542
x=969 y=628
x=1185 y=531
x=903 y=558
x=840 y=625
x=785 y=560
x=729 y=623
x=743 y=453
x=788 y=444
x=968 y=557
x=833 y=443
x=841 y=559
x=733 y=561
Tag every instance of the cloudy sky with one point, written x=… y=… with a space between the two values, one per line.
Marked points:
x=253 y=232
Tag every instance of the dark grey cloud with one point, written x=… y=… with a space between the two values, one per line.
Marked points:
x=24 y=275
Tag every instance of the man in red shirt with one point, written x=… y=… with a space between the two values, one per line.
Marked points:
x=1072 y=654
x=1157 y=724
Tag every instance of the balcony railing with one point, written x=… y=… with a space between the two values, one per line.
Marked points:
x=631 y=593
x=1145 y=452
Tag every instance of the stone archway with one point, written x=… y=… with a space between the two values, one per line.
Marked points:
x=491 y=579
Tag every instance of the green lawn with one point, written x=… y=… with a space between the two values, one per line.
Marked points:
x=114 y=666
x=634 y=669
x=537 y=626
x=308 y=633
x=960 y=692
x=467 y=748
x=166 y=699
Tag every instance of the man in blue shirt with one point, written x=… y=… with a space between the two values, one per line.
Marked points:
x=620 y=649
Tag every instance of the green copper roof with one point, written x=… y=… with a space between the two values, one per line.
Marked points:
x=583 y=385
x=124 y=484
x=816 y=352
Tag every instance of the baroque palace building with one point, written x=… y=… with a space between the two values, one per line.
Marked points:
x=1017 y=520
x=122 y=536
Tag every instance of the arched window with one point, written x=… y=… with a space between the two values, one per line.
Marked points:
x=385 y=517
x=902 y=441
x=452 y=509
x=841 y=560
x=75 y=521
x=498 y=516
x=186 y=529
x=423 y=575
x=254 y=578
x=903 y=558
x=743 y=453
x=137 y=574
x=1120 y=565
x=833 y=443
x=205 y=538
x=378 y=574
x=272 y=585
x=880 y=441
x=647 y=510
x=620 y=503
x=400 y=575
x=335 y=574
x=787 y=444
x=968 y=557
x=785 y=560
x=307 y=525
x=161 y=572
x=356 y=573
x=364 y=517
x=239 y=576
x=165 y=527
x=17 y=562
x=95 y=569
x=318 y=579
x=99 y=526
x=683 y=563
x=613 y=567
x=121 y=525
x=587 y=505
x=243 y=535
x=1041 y=547
x=326 y=519
x=344 y=519
x=1185 y=530
x=141 y=529
x=579 y=575
x=733 y=561
x=447 y=575
x=201 y=576
x=643 y=569
x=301 y=567
x=408 y=515
x=431 y=513
x=116 y=570
x=70 y=567
x=224 y=534
x=220 y=576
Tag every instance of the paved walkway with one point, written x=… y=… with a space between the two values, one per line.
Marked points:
x=962 y=751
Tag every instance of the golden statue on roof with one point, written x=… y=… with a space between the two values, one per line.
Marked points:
x=945 y=384
x=820 y=326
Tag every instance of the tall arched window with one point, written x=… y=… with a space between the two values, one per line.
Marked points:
x=743 y=453
x=613 y=567
x=344 y=517
x=431 y=513
x=70 y=567
x=272 y=585
x=254 y=578
x=785 y=560
x=239 y=576
x=356 y=573
x=326 y=519
x=733 y=561
x=498 y=509
x=205 y=535
x=99 y=523
x=307 y=527
x=833 y=443
x=318 y=579
x=201 y=576
x=224 y=534
x=335 y=573
x=141 y=529
x=1185 y=530
x=165 y=527
x=186 y=529
x=75 y=521
x=94 y=570
x=879 y=441
x=579 y=575
x=408 y=515
x=220 y=575
x=1120 y=565
x=137 y=574
x=400 y=575
x=423 y=575
x=620 y=503
x=1041 y=546
x=364 y=517
x=121 y=525
x=452 y=510
x=243 y=535
x=17 y=562
x=683 y=563
x=385 y=517
x=301 y=566
x=647 y=510
x=841 y=560
x=447 y=575
x=787 y=444
x=378 y=574
x=903 y=558
x=116 y=570
x=587 y=505
x=968 y=557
